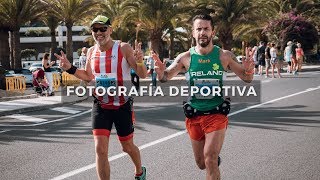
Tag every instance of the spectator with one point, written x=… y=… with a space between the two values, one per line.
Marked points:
x=287 y=56
x=261 y=57
x=47 y=70
x=150 y=63
x=83 y=58
x=299 y=56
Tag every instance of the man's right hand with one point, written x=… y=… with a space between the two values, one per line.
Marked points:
x=159 y=66
x=64 y=62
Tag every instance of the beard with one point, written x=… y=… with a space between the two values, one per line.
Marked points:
x=101 y=42
x=204 y=42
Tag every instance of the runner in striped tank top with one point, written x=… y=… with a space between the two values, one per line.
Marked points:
x=108 y=65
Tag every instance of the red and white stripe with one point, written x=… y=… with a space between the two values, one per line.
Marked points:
x=111 y=62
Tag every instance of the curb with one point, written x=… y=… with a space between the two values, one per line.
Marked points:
x=29 y=96
x=38 y=108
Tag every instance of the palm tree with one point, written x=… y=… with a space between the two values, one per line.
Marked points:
x=52 y=22
x=116 y=10
x=275 y=8
x=4 y=45
x=155 y=17
x=71 y=12
x=15 y=13
x=229 y=15
x=182 y=35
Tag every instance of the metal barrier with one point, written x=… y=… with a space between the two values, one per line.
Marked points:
x=56 y=81
x=16 y=84
x=68 y=79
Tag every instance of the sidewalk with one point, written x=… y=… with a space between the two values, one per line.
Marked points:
x=31 y=102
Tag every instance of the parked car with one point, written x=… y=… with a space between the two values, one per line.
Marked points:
x=239 y=58
x=23 y=72
x=35 y=66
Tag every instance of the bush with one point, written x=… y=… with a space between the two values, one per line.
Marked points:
x=28 y=53
x=37 y=33
x=290 y=26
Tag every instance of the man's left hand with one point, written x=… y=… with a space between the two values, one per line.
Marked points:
x=248 y=63
x=137 y=52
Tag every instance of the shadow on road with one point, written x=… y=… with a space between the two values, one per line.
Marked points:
x=169 y=116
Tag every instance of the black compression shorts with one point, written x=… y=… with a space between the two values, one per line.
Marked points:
x=103 y=119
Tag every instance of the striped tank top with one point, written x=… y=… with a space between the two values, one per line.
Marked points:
x=110 y=65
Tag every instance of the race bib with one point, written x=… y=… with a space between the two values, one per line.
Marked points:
x=106 y=80
x=205 y=87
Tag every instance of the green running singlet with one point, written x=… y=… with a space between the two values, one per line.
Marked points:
x=206 y=71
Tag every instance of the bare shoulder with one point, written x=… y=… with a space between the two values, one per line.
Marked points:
x=226 y=58
x=184 y=55
x=125 y=46
x=226 y=55
x=126 y=50
x=183 y=58
x=91 y=49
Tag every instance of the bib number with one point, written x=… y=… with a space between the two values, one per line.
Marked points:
x=205 y=87
x=106 y=81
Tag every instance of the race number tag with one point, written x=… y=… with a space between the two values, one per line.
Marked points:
x=106 y=80
x=205 y=87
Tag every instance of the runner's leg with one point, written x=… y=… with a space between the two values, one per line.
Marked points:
x=134 y=153
x=102 y=162
x=198 y=147
x=212 y=148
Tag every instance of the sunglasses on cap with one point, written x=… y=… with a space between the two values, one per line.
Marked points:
x=101 y=29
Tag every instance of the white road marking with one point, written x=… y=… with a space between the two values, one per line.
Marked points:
x=266 y=81
x=47 y=122
x=93 y=165
x=4 y=131
x=274 y=100
x=26 y=118
x=65 y=110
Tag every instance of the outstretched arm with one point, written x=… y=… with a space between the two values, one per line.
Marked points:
x=135 y=58
x=244 y=71
x=166 y=74
x=65 y=64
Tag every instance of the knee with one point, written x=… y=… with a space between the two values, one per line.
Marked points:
x=201 y=164
x=211 y=159
x=101 y=151
x=128 y=147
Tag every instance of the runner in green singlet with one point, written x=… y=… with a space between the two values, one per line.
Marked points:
x=205 y=65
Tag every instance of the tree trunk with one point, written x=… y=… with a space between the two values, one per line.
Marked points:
x=11 y=49
x=226 y=39
x=171 y=51
x=4 y=48
x=53 y=43
x=16 y=49
x=244 y=45
x=156 y=43
x=69 y=42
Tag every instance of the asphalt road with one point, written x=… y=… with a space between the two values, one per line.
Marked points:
x=277 y=138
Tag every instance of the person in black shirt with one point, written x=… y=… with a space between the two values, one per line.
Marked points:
x=261 y=57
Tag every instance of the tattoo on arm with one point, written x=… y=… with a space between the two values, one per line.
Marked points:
x=164 y=77
x=228 y=67
x=233 y=57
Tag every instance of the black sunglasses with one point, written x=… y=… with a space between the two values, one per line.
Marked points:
x=101 y=29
